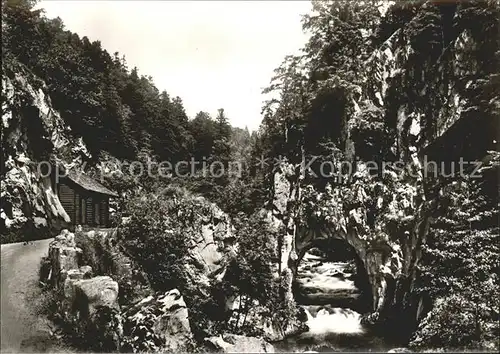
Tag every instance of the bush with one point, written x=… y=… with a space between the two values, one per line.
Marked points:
x=155 y=240
x=104 y=256
x=158 y=238
x=452 y=324
x=251 y=273
x=104 y=329
x=252 y=277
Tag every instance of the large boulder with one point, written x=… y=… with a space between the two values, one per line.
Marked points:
x=158 y=323
x=89 y=304
x=100 y=251
x=70 y=278
x=91 y=307
x=90 y=294
x=232 y=343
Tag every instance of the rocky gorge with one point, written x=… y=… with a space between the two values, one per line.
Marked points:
x=399 y=252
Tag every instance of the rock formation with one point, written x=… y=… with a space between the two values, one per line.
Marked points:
x=212 y=244
x=33 y=136
x=385 y=218
x=89 y=303
x=64 y=257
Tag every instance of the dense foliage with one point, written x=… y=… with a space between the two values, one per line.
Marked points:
x=122 y=117
x=251 y=278
x=112 y=107
x=158 y=237
x=368 y=71
x=352 y=49
x=460 y=266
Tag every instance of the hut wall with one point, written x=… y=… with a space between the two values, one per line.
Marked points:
x=67 y=198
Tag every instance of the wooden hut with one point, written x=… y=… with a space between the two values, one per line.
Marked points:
x=85 y=200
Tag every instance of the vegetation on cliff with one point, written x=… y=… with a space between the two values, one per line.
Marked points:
x=379 y=84
x=460 y=269
x=376 y=82
x=111 y=106
x=93 y=103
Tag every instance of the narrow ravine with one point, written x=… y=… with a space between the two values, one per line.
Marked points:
x=327 y=292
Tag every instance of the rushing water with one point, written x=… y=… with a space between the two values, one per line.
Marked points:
x=328 y=294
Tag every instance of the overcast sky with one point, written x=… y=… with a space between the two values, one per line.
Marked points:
x=212 y=54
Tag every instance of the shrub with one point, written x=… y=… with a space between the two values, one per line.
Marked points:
x=158 y=238
x=452 y=324
x=252 y=278
x=104 y=328
x=155 y=241
x=105 y=257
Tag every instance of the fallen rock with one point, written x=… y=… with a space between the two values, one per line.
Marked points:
x=232 y=343
x=101 y=291
x=70 y=278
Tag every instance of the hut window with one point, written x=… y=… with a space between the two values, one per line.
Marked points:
x=102 y=213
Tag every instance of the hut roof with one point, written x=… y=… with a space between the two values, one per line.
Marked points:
x=89 y=183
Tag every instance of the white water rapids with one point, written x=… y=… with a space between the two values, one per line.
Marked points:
x=323 y=282
x=333 y=320
x=327 y=292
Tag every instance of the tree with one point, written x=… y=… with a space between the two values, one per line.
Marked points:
x=111 y=108
x=222 y=146
x=202 y=128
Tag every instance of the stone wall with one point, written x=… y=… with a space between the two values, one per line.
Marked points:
x=85 y=299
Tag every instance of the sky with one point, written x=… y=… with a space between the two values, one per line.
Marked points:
x=212 y=54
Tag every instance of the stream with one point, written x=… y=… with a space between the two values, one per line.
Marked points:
x=327 y=292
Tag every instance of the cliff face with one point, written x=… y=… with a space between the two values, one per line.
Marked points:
x=430 y=108
x=33 y=135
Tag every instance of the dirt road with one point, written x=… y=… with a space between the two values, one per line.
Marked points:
x=22 y=330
